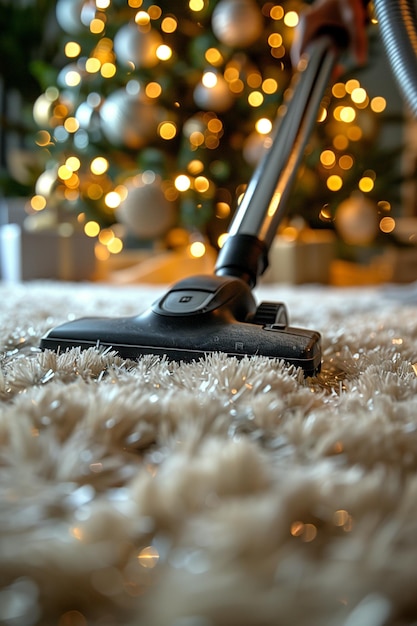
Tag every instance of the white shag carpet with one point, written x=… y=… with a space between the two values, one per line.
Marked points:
x=219 y=493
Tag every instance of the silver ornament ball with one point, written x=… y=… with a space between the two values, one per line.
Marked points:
x=237 y=23
x=356 y=220
x=134 y=45
x=146 y=212
x=216 y=98
x=127 y=120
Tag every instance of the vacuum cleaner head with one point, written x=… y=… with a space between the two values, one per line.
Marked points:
x=218 y=313
x=196 y=317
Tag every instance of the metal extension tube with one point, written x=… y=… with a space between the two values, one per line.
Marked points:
x=265 y=200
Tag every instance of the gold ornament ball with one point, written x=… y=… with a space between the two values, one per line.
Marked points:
x=237 y=23
x=356 y=220
x=146 y=212
x=127 y=120
x=134 y=45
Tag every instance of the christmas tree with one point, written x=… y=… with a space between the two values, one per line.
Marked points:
x=157 y=112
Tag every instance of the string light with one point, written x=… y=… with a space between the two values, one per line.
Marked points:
x=38 y=202
x=197 y=249
x=196 y=5
x=72 y=49
x=182 y=182
x=99 y=165
x=163 y=52
x=387 y=224
x=92 y=228
x=291 y=19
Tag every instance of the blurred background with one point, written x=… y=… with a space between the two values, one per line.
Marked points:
x=130 y=129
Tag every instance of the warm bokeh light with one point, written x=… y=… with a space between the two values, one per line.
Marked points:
x=214 y=56
x=142 y=18
x=378 y=104
x=352 y=84
x=72 y=78
x=197 y=249
x=112 y=199
x=99 y=165
x=196 y=5
x=108 y=70
x=346 y=162
x=328 y=158
x=195 y=167
x=359 y=95
x=291 y=19
x=339 y=90
x=209 y=79
x=169 y=24
x=366 y=184
x=263 y=126
x=153 y=90
x=38 y=203
x=91 y=228
x=115 y=246
x=387 y=224
x=221 y=240
x=92 y=65
x=163 y=52
x=345 y=114
x=97 y=26
x=255 y=99
x=201 y=184
x=275 y=40
x=64 y=172
x=269 y=85
x=277 y=12
x=182 y=182
x=334 y=182
x=72 y=49
x=167 y=130
x=71 y=124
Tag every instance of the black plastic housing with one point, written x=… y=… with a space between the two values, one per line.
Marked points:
x=198 y=316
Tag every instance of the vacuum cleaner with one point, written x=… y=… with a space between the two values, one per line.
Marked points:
x=205 y=314
x=218 y=313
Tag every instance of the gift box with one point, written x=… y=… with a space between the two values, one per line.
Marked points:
x=31 y=251
x=47 y=254
x=304 y=257
x=398 y=265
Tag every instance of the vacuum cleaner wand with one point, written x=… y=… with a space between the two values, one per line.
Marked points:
x=265 y=201
x=205 y=314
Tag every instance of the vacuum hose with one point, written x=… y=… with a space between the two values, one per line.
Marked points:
x=398 y=29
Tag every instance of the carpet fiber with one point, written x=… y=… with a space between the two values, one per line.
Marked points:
x=218 y=493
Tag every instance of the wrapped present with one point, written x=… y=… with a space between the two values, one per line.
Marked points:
x=35 y=246
x=303 y=256
x=45 y=254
